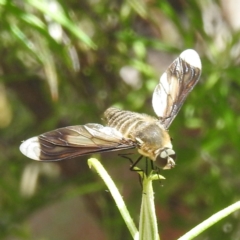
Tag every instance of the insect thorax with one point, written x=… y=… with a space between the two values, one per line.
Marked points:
x=141 y=128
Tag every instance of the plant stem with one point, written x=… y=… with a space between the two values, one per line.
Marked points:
x=148 y=228
x=92 y=162
x=210 y=221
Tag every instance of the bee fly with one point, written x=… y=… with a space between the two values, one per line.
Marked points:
x=125 y=129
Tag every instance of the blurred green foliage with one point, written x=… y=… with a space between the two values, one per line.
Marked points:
x=64 y=62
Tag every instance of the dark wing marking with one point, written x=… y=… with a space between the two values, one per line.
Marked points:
x=73 y=141
x=174 y=86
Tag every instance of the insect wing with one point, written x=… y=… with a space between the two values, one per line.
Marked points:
x=174 y=86
x=73 y=141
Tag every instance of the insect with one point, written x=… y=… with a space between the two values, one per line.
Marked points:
x=125 y=129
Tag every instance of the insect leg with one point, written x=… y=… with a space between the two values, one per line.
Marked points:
x=126 y=155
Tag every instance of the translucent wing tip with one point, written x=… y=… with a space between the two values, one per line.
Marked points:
x=191 y=57
x=31 y=148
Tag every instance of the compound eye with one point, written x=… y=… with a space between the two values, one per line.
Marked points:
x=170 y=153
x=166 y=158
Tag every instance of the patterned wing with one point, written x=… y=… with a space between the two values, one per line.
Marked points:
x=174 y=86
x=70 y=142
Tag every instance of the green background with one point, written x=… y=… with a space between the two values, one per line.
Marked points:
x=62 y=63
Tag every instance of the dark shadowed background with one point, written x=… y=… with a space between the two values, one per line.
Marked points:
x=64 y=62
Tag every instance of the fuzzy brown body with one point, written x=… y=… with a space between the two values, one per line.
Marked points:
x=125 y=129
x=141 y=128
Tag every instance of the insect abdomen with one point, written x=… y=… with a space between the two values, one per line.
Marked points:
x=125 y=122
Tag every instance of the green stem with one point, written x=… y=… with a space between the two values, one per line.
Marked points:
x=210 y=221
x=148 y=228
x=92 y=162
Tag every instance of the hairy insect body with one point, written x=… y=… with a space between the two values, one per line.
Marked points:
x=141 y=128
x=125 y=129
